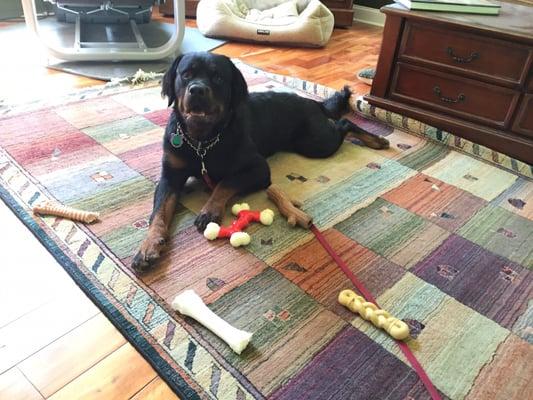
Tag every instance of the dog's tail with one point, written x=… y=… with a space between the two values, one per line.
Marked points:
x=338 y=104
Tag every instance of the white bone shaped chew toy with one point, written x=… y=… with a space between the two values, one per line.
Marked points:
x=380 y=318
x=234 y=231
x=190 y=304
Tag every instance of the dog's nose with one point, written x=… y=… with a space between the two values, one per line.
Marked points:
x=197 y=89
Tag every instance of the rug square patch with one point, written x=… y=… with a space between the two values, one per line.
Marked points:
x=392 y=232
x=517 y=199
x=128 y=226
x=24 y=128
x=462 y=343
x=453 y=342
x=42 y=137
x=59 y=160
x=211 y=268
x=360 y=189
x=424 y=155
x=289 y=328
x=143 y=101
x=313 y=270
x=502 y=232
x=401 y=143
x=79 y=182
x=159 y=117
x=94 y=112
x=490 y=284
x=301 y=178
x=442 y=204
x=523 y=326
x=352 y=366
x=114 y=197
x=126 y=134
x=497 y=380
x=474 y=176
x=146 y=160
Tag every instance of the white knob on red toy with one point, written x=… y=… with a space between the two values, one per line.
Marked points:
x=239 y=207
x=211 y=231
x=267 y=216
x=239 y=239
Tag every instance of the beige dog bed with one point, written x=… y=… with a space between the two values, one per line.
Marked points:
x=294 y=22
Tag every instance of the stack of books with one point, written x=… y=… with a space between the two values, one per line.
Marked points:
x=459 y=6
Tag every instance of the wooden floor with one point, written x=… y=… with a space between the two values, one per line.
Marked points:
x=54 y=343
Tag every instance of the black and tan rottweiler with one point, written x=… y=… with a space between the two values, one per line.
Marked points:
x=219 y=129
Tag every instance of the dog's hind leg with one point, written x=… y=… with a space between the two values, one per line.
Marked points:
x=369 y=139
x=320 y=138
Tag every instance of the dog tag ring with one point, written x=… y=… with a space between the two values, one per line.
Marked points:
x=176 y=140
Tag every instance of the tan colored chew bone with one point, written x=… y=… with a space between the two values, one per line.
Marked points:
x=289 y=208
x=190 y=304
x=380 y=318
x=49 y=208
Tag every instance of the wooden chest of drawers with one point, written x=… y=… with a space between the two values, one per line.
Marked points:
x=467 y=74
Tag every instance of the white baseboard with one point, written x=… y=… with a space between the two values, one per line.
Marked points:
x=371 y=16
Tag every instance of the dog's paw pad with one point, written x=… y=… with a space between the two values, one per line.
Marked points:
x=149 y=253
x=203 y=219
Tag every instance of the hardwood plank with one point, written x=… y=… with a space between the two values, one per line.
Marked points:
x=68 y=357
x=155 y=390
x=118 y=376
x=40 y=327
x=29 y=275
x=14 y=386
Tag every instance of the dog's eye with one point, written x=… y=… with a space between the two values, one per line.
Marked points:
x=186 y=75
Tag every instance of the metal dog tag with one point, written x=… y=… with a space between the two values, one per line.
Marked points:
x=176 y=140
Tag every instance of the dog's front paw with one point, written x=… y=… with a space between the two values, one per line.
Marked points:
x=149 y=253
x=205 y=217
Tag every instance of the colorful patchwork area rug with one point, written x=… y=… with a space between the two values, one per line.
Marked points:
x=439 y=230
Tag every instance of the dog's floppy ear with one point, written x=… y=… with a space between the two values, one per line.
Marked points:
x=239 y=88
x=167 y=85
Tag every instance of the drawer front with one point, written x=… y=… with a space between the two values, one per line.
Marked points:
x=491 y=59
x=524 y=118
x=452 y=95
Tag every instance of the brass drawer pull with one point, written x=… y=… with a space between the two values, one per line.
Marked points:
x=462 y=60
x=445 y=99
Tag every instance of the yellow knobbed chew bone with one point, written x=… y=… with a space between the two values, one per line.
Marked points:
x=59 y=210
x=380 y=318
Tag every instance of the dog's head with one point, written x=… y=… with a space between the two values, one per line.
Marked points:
x=204 y=88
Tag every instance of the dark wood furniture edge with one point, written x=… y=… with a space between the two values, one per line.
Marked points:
x=517 y=147
x=391 y=10
x=343 y=17
x=393 y=29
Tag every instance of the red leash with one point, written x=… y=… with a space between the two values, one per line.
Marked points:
x=368 y=296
